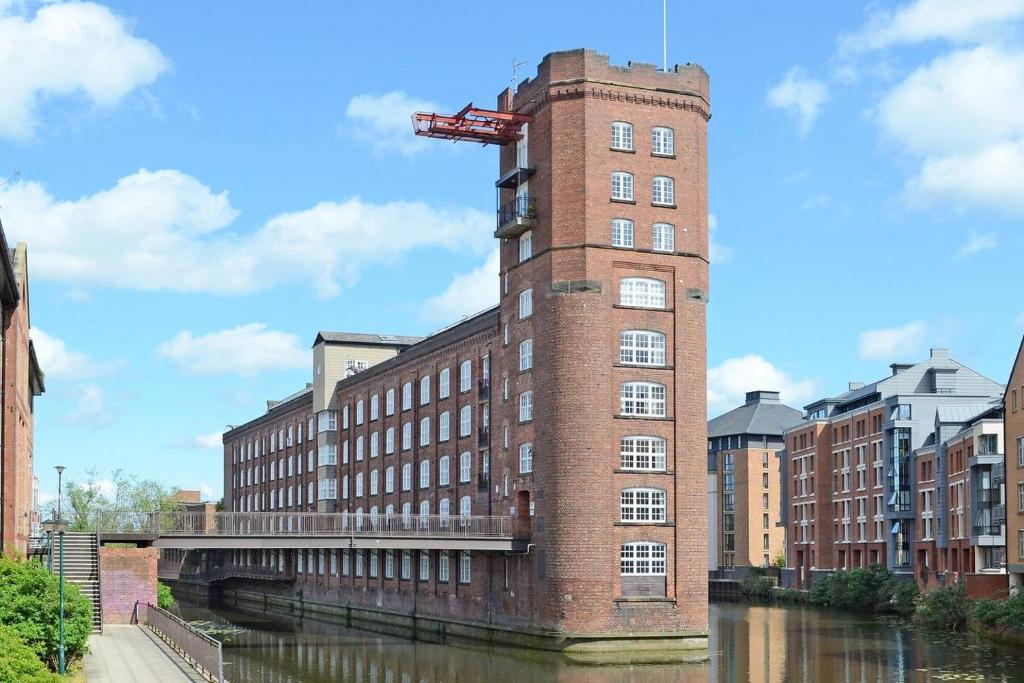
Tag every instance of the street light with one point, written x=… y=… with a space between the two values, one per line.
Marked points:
x=59 y=526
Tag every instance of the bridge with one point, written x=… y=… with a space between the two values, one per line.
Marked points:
x=322 y=530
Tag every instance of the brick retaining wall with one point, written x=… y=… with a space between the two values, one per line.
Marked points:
x=127 y=575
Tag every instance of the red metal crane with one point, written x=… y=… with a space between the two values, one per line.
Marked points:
x=485 y=126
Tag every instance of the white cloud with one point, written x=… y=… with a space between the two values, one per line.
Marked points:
x=992 y=177
x=59 y=362
x=90 y=408
x=977 y=242
x=65 y=49
x=212 y=441
x=206 y=492
x=923 y=20
x=718 y=252
x=893 y=344
x=734 y=377
x=165 y=230
x=468 y=292
x=799 y=95
x=385 y=121
x=246 y=350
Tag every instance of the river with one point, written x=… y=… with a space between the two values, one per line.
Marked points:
x=748 y=643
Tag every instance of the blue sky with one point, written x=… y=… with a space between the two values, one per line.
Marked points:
x=204 y=186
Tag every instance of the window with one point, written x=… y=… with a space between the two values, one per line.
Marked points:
x=359 y=448
x=662 y=141
x=526 y=458
x=443 y=426
x=525 y=303
x=424 y=390
x=642 y=505
x=424 y=509
x=465 y=506
x=389 y=480
x=443 y=475
x=444 y=383
x=642 y=292
x=424 y=566
x=406 y=565
x=525 y=246
x=465 y=568
x=309 y=434
x=327 y=489
x=407 y=436
x=407 y=396
x=389 y=402
x=344 y=424
x=425 y=431
x=389 y=564
x=374 y=482
x=359 y=563
x=622 y=233
x=407 y=477
x=375 y=406
x=526 y=354
x=664 y=237
x=465 y=375
x=465 y=421
x=359 y=412
x=622 y=186
x=424 y=474
x=622 y=135
x=359 y=485
x=640 y=347
x=1020 y=451
x=465 y=467
x=663 y=191
x=526 y=406
x=327 y=454
x=442 y=567
x=642 y=559
x=374 y=445
x=643 y=398
x=642 y=453
x=389 y=441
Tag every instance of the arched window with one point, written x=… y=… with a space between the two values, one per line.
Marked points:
x=389 y=480
x=465 y=421
x=374 y=445
x=664 y=235
x=622 y=135
x=424 y=507
x=642 y=347
x=644 y=399
x=424 y=474
x=359 y=412
x=359 y=485
x=374 y=482
x=407 y=396
x=465 y=375
x=465 y=506
x=442 y=507
x=406 y=477
x=663 y=191
x=622 y=233
x=465 y=467
x=642 y=505
x=359 y=448
x=622 y=186
x=444 y=426
x=425 y=431
x=443 y=474
x=662 y=141
x=642 y=292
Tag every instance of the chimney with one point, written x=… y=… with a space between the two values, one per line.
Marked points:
x=761 y=396
x=940 y=353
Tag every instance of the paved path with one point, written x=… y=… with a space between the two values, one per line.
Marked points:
x=133 y=654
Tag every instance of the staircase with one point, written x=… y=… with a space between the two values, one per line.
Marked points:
x=81 y=567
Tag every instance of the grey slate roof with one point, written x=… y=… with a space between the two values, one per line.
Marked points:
x=360 y=338
x=958 y=414
x=770 y=419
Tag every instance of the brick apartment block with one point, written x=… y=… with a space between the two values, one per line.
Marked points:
x=1013 y=411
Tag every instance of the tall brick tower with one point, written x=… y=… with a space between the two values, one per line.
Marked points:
x=604 y=266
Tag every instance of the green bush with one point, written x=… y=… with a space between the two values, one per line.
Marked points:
x=754 y=585
x=18 y=663
x=29 y=606
x=873 y=589
x=1001 y=615
x=164 y=599
x=944 y=609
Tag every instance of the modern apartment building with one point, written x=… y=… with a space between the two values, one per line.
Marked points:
x=576 y=407
x=22 y=381
x=856 y=486
x=744 y=481
x=1013 y=420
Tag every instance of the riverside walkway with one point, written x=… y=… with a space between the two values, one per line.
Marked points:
x=133 y=654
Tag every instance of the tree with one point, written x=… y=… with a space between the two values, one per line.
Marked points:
x=121 y=503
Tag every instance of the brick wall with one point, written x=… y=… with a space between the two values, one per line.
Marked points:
x=127 y=575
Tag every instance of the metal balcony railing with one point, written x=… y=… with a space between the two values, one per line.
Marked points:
x=999 y=514
x=484 y=437
x=484 y=391
x=999 y=473
x=986 y=530
x=516 y=216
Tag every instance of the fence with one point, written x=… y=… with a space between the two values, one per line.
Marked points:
x=198 y=649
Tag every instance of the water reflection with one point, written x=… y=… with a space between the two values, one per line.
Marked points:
x=749 y=643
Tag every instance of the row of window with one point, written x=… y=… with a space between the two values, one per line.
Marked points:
x=662 y=139
x=443 y=391
x=278 y=437
x=663 y=189
x=663 y=235
x=443 y=476
x=368 y=563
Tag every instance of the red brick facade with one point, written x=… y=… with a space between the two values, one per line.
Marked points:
x=128 y=576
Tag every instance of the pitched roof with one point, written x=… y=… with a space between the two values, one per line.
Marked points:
x=755 y=418
x=360 y=338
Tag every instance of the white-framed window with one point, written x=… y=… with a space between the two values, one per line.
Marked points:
x=389 y=480
x=406 y=565
x=424 y=474
x=465 y=567
x=425 y=431
x=311 y=461
x=407 y=436
x=465 y=506
x=525 y=303
x=374 y=482
x=389 y=441
x=642 y=558
x=374 y=445
x=1020 y=453
x=643 y=398
x=309 y=433
x=465 y=421
x=389 y=402
x=526 y=354
x=375 y=406
x=359 y=485
x=444 y=383
x=465 y=467
x=309 y=490
x=424 y=565
x=504 y=389
x=642 y=453
x=407 y=396
x=444 y=426
x=373 y=564
x=407 y=477
x=389 y=564
x=525 y=246
x=622 y=186
x=504 y=327
x=360 y=560
x=424 y=508
x=442 y=567
x=425 y=390
x=642 y=347
x=622 y=135
x=642 y=505
x=662 y=141
x=359 y=412
x=664 y=237
x=327 y=489
x=359 y=448
x=526 y=406
x=465 y=375
x=526 y=458
x=443 y=471
x=642 y=292
x=663 y=190
x=344 y=422
x=327 y=454
x=622 y=232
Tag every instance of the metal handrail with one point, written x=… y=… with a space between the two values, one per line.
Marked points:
x=198 y=649
x=523 y=206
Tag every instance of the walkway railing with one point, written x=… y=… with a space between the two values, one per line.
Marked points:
x=198 y=649
x=319 y=524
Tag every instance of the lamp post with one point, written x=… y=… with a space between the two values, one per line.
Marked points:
x=59 y=526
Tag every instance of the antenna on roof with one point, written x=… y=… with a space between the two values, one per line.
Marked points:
x=664 y=35
x=516 y=63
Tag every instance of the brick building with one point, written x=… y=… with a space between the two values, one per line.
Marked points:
x=744 y=481
x=22 y=382
x=1013 y=420
x=576 y=406
x=858 y=465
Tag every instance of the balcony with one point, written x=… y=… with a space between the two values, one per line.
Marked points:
x=484 y=439
x=484 y=390
x=986 y=530
x=999 y=514
x=999 y=473
x=514 y=177
x=516 y=217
